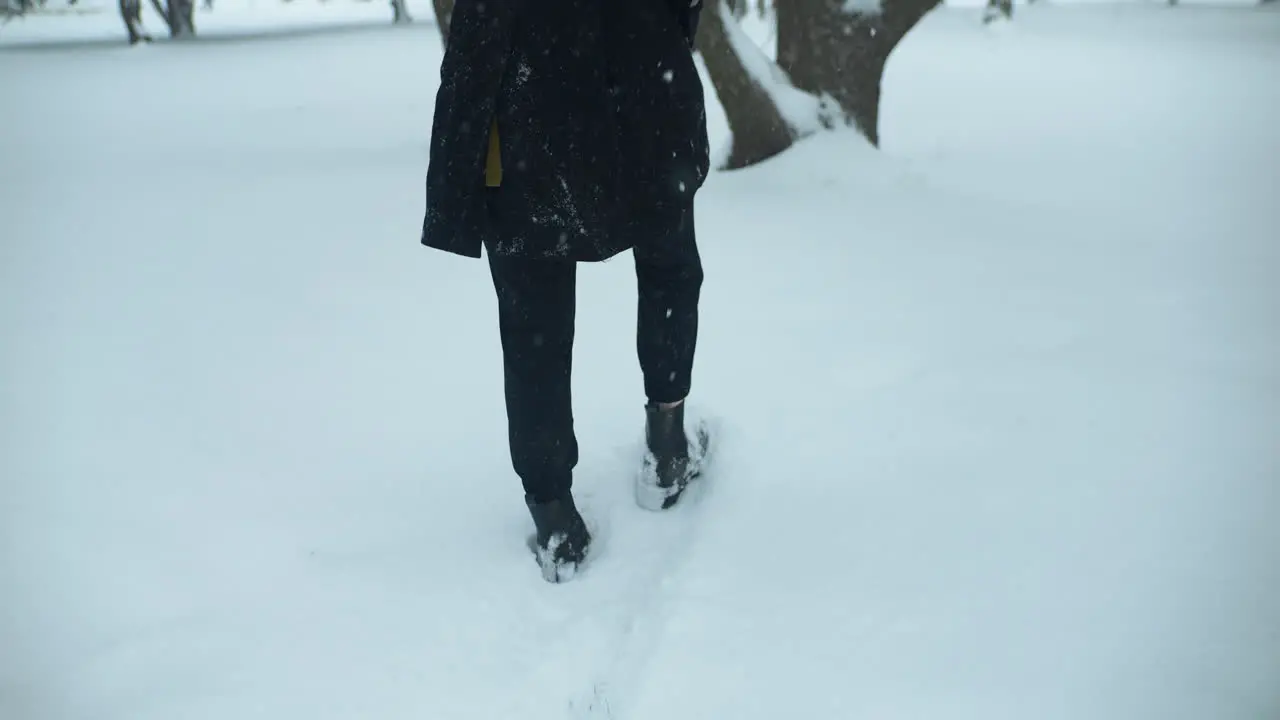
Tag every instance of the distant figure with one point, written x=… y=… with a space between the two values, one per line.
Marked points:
x=568 y=131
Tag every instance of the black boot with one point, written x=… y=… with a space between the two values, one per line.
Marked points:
x=560 y=544
x=672 y=459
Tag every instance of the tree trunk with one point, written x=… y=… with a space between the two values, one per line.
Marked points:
x=131 y=13
x=997 y=9
x=758 y=128
x=838 y=48
x=444 y=13
x=400 y=13
x=181 y=19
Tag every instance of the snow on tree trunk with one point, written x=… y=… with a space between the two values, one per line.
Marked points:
x=400 y=13
x=838 y=49
x=740 y=74
x=181 y=18
x=444 y=13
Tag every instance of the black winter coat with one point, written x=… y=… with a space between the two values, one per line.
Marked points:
x=601 y=122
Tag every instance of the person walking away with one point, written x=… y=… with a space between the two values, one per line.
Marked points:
x=568 y=131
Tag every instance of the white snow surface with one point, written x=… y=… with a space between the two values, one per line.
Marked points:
x=998 y=406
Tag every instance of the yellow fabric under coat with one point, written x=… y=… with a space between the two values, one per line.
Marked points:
x=493 y=163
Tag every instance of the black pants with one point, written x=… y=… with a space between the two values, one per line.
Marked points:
x=536 y=308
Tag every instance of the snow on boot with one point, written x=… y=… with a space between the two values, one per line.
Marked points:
x=672 y=457
x=560 y=544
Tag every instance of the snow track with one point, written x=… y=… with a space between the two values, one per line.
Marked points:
x=660 y=545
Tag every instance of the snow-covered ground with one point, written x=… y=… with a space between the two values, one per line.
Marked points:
x=999 y=406
x=60 y=23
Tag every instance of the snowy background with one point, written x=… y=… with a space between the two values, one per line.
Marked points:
x=999 y=405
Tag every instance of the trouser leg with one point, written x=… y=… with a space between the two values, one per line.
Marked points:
x=536 y=321
x=669 y=278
